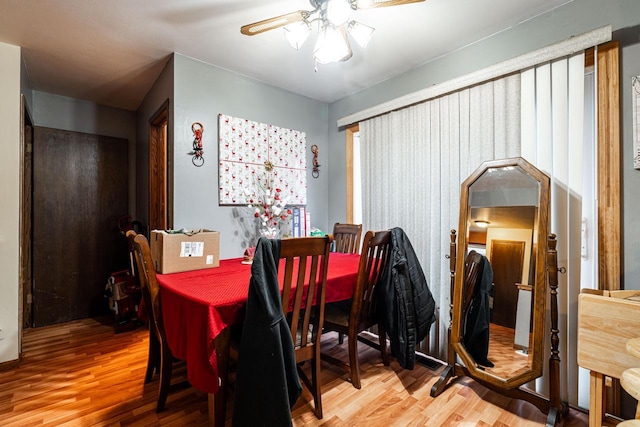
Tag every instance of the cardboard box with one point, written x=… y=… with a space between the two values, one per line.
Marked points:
x=185 y=250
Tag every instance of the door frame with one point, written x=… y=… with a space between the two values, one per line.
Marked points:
x=160 y=170
x=25 y=315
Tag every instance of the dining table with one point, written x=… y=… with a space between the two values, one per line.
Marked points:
x=200 y=307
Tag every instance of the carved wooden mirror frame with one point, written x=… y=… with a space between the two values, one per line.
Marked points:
x=460 y=362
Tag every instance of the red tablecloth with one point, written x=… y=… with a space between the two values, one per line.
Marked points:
x=198 y=305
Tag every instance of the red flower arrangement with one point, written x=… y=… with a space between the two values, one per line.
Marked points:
x=269 y=205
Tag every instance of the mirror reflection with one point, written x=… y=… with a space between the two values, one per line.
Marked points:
x=497 y=303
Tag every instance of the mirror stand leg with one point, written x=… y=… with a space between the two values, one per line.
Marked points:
x=446 y=375
x=552 y=417
x=556 y=414
x=450 y=370
x=557 y=408
x=441 y=384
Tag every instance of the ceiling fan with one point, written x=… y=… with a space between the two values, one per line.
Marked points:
x=334 y=22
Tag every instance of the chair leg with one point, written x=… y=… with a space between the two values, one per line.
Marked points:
x=382 y=336
x=353 y=361
x=315 y=380
x=340 y=338
x=223 y=346
x=153 y=357
x=166 y=370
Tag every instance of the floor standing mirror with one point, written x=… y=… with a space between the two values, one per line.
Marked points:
x=503 y=271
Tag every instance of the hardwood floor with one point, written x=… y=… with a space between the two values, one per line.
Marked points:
x=82 y=374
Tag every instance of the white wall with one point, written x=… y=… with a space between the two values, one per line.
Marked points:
x=10 y=197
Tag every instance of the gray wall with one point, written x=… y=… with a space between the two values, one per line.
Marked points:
x=630 y=66
x=574 y=18
x=25 y=86
x=203 y=91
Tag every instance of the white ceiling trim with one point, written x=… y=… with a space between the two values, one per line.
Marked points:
x=557 y=50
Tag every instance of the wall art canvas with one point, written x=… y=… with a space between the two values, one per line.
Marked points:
x=257 y=158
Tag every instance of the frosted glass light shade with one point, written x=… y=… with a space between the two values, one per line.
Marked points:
x=361 y=33
x=332 y=45
x=297 y=34
x=338 y=12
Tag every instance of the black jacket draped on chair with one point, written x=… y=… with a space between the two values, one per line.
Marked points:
x=404 y=301
x=478 y=316
x=267 y=383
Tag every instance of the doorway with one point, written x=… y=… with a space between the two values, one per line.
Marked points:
x=26 y=219
x=507 y=259
x=160 y=171
x=80 y=190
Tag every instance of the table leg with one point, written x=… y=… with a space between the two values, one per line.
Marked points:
x=597 y=396
x=218 y=402
x=212 y=410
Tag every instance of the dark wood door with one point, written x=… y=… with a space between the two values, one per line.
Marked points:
x=80 y=185
x=507 y=257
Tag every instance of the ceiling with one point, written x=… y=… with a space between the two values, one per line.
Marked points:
x=111 y=52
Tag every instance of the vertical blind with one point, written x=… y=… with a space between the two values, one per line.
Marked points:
x=552 y=123
x=413 y=161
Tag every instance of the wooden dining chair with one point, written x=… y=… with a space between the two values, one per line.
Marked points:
x=347 y=238
x=357 y=315
x=289 y=277
x=306 y=261
x=153 y=358
x=160 y=358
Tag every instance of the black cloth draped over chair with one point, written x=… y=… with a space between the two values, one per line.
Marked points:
x=405 y=304
x=267 y=383
x=274 y=344
x=477 y=311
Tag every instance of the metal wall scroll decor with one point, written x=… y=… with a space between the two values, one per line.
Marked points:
x=197 y=152
x=315 y=172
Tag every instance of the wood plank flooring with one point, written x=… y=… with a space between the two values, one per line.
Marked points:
x=82 y=374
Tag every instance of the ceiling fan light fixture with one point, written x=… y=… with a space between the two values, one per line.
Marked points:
x=338 y=12
x=361 y=33
x=332 y=45
x=333 y=19
x=297 y=34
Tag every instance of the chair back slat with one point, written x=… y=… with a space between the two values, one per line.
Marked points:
x=306 y=261
x=347 y=238
x=373 y=261
x=311 y=294
x=148 y=282
x=142 y=277
x=472 y=267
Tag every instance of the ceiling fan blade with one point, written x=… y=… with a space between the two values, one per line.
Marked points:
x=273 y=23
x=369 y=4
